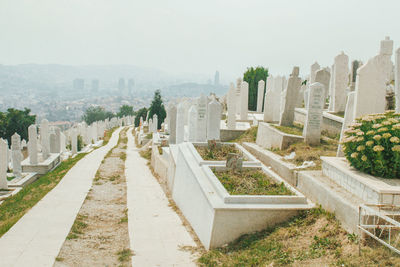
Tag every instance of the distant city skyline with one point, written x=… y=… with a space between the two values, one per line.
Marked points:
x=195 y=37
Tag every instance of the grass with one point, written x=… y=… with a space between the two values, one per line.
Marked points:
x=149 y=136
x=124 y=255
x=249 y=136
x=313 y=238
x=10 y=178
x=78 y=227
x=108 y=135
x=13 y=208
x=306 y=152
x=295 y=129
x=218 y=153
x=250 y=182
x=160 y=151
x=339 y=114
x=146 y=154
x=125 y=218
x=122 y=156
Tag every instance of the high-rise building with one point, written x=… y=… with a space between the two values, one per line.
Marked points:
x=79 y=84
x=121 y=84
x=131 y=84
x=95 y=85
x=216 y=78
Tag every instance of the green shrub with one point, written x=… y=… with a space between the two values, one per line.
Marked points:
x=372 y=144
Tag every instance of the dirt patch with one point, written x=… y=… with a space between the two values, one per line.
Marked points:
x=217 y=153
x=99 y=236
x=250 y=182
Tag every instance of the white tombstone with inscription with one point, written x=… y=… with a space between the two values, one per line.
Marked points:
x=3 y=164
x=269 y=100
x=16 y=155
x=201 y=129
x=340 y=82
x=312 y=125
x=231 y=108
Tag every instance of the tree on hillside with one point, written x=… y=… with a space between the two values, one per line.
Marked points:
x=140 y=113
x=157 y=107
x=125 y=110
x=252 y=76
x=93 y=114
x=15 y=121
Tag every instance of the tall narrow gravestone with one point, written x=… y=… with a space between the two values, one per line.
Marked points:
x=231 y=108
x=290 y=97
x=201 y=129
x=155 y=123
x=340 y=82
x=172 y=125
x=3 y=165
x=348 y=119
x=45 y=138
x=260 y=95
x=312 y=125
x=214 y=120
x=269 y=100
x=16 y=155
x=74 y=142
x=192 y=120
x=397 y=79
x=244 y=100
x=32 y=145
x=180 y=123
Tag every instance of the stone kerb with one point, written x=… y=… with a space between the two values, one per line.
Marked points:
x=269 y=137
x=373 y=190
x=207 y=212
x=297 y=198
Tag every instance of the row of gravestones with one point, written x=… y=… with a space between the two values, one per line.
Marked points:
x=51 y=140
x=201 y=118
x=357 y=91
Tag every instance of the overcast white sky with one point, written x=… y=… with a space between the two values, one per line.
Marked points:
x=195 y=36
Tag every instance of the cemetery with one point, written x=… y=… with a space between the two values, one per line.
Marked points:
x=317 y=153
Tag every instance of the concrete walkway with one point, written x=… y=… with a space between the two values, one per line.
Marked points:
x=36 y=239
x=155 y=230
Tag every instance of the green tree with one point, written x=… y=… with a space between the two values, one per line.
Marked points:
x=93 y=114
x=252 y=76
x=141 y=113
x=15 y=121
x=157 y=107
x=125 y=110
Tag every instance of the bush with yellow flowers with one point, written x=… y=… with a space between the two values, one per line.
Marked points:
x=372 y=144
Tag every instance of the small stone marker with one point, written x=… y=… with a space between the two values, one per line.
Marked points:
x=260 y=95
x=312 y=126
x=32 y=145
x=214 y=111
x=16 y=155
x=3 y=164
x=234 y=162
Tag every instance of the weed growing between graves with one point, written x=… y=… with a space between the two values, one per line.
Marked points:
x=78 y=227
x=296 y=129
x=249 y=136
x=146 y=154
x=107 y=135
x=217 y=153
x=13 y=208
x=304 y=152
x=339 y=114
x=313 y=238
x=250 y=182
x=124 y=255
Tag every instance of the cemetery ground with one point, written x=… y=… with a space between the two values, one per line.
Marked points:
x=99 y=235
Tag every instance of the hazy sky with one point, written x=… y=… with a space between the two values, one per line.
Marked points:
x=195 y=36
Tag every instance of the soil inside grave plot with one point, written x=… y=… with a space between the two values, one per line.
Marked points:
x=218 y=153
x=250 y=182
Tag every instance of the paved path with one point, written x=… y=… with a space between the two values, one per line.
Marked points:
x=36 y=239
x=155 y=230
